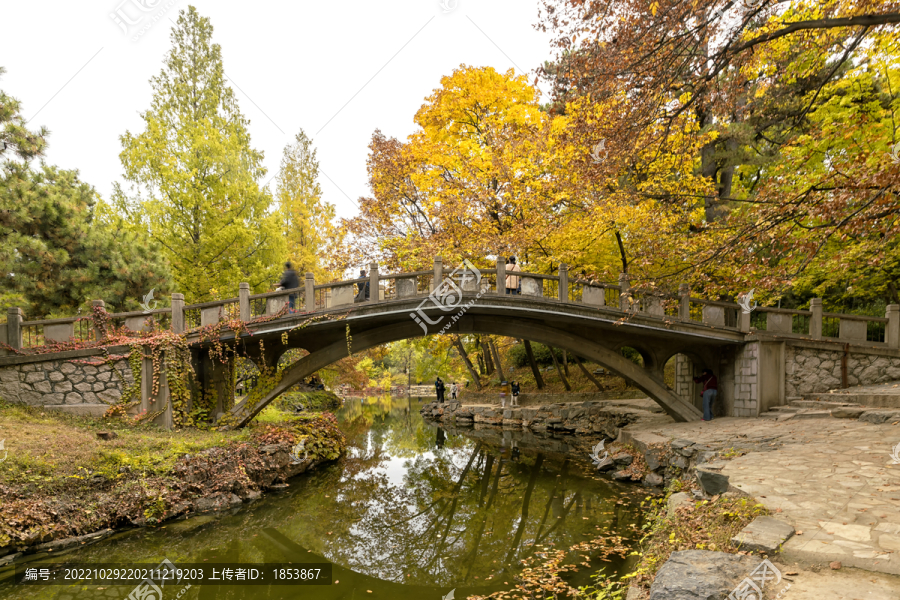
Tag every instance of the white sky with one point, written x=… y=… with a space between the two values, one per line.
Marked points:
x=339 y=70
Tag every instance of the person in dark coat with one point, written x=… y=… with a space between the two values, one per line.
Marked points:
x=363 y=288
x=439 y=388
x=289 y=281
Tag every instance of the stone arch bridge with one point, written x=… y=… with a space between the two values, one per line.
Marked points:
x=761 y=358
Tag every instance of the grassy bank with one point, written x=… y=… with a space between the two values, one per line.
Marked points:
x=59 y=479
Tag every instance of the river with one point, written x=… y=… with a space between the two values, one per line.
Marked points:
x=412 y=512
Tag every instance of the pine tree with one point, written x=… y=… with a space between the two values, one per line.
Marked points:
x=57 y=255
x=307 y=220
x=195 y=177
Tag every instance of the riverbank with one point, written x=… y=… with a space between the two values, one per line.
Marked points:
x=66 y=480
x=834 y=482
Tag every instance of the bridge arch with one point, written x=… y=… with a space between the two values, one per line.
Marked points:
x=646 y=379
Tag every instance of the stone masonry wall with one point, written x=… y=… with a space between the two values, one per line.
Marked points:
x=813 y=371
x=64 y=383
x=746 y=380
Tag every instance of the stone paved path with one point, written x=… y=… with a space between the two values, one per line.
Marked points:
x=832 y=479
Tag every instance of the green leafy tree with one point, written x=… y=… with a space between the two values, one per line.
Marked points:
x=57 y=254
x=195 y=177
x=306 y=218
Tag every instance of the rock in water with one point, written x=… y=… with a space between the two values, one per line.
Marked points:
x=701 y=575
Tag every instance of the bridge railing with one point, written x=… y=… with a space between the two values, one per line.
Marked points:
x=311 y=297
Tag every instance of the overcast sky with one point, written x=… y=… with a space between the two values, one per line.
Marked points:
x=339 y=70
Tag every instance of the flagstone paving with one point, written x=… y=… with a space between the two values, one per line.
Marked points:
x=834 y=480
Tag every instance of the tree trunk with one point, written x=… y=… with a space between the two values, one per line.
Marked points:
x=486 y=353
x=534 y=368
x=566 y=362
x=462 y=352
x=588 y=373
x=559 y=369
x=497 y=359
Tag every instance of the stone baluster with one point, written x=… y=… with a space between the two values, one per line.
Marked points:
x=310 y=292
x=624 y=291
x=743 y=321
x=892 y=329
x=244 y=300
x=99 y=334
x=14 y=318
x=563 y=282
x=684 y=310
x=815 y=320
x=177 y=313
x=438 y=273
x=374 y=286
x=501 y=275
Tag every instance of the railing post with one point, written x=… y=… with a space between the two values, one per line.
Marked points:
x=892 y=329
x=14 y=318
x=624 y=290
x=743 y=321
x=374 y=287
x=815 y=319
x=310 y=292
x=99 y=334
x=244 y=301
x=684 y=310
x=438 y=273
x=563 y=282
x=501 y=275
x=177 y=313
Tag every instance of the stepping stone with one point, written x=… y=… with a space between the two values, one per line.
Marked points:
x=765 y=534
x=848 y=412
x=701 y=575
x=879 y=416
x=813 y=414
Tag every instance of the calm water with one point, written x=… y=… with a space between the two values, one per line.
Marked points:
x=412 y=512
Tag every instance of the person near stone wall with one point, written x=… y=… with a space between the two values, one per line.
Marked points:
x=439 y=388
x=454 y=390
x=709 y=393
x=515 y=393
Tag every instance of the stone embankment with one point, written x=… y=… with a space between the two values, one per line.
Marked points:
x=652 y=460
x=214 y=479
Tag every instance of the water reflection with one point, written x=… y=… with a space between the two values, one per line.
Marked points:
x=413 y=511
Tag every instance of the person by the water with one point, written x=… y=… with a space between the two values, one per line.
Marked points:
x=439 y=388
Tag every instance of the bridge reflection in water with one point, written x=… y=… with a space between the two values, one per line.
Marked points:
x=412 y=512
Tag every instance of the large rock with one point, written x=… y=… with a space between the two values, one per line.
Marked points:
x=701 y=575
x=880 y=416
x=711 y=482
x=764 y=534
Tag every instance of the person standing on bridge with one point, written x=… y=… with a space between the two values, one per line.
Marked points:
x=363 y=293
x=709 y=393
x=512 y=280
x=289 y=281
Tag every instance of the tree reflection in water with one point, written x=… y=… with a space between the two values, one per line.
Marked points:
x=426 y=506
x=411 y=512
